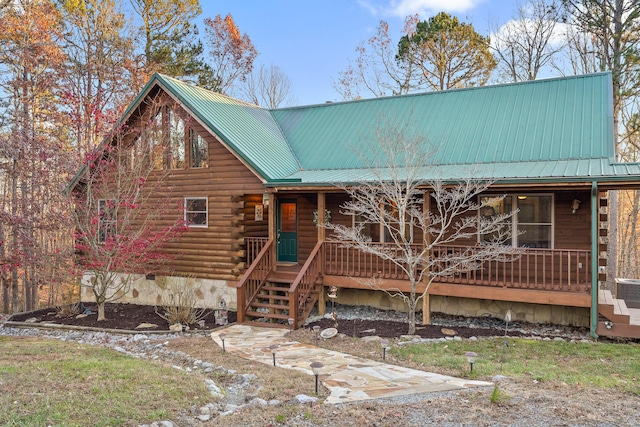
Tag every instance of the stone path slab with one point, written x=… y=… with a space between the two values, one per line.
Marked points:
x=349 y=378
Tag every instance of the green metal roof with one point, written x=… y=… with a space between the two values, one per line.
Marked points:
x=250 y=131
x=544 y=120
x=557 y=130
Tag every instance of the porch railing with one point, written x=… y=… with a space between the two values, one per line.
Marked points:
x=253 y=246
x=301 y=293
x=255 y=277
x=542 y=269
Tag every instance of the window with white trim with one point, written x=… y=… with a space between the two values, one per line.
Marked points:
x=196 y=211
x=532 y=218
x=106 y=219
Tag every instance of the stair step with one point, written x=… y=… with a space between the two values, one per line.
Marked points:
x=257 y=314
x=272 y=297
x=620 y=307
x=605 y=297
x=274 y=289
x=274 y=306
x=265 y=324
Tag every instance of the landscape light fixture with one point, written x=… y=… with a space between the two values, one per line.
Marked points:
x=316 y=330
x=273 y=348
x=471 y=358
x=222 y=336
x=385 y=346
x=315 y=367
x=507 y=319
x=290 y=320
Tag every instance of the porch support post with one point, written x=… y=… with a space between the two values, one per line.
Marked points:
x=321 y=219
x=426 y=241
x=273 y=233
x=595 y=215
x=321 y=237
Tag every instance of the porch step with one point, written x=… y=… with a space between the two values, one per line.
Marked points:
x=618 y=330
x=284 y=274
x=272 y=297
x=273 y=306
x=258 y=315
x=612 y=308
x=265 y=324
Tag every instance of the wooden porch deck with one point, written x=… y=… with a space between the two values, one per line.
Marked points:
x=616 y=319
x=557 y=278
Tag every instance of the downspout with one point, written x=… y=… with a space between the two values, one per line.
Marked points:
x=594 y=259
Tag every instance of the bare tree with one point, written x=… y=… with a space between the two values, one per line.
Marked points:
x=376 y=70
x=269 y=87
x=95 y=83
x=417 y=214
x=528 y=42
x=612 y=30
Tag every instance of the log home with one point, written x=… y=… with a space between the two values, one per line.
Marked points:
x=256 y=182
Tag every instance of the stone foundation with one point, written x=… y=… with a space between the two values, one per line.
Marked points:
x=143 y=291
x=523 y=312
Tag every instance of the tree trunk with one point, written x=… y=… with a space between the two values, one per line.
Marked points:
x=412 y=315
x=101 y=311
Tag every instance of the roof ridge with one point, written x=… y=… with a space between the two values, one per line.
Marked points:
x=442 y=92
x=202 y=89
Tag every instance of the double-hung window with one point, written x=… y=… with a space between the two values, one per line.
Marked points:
x=531 y=221
x=196 y=211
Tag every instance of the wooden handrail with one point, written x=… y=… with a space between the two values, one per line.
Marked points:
x=304 y=283
x=565 y=270
x=254 y=278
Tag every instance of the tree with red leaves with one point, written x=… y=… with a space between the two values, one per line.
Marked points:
x=124 y=217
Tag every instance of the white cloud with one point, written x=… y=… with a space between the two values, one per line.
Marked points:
x=558 y=37
x=403 y=8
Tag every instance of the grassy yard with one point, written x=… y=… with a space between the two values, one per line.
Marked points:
x=584 y=365
x=49 y=382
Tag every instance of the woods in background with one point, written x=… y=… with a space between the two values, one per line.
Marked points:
x=69 y=68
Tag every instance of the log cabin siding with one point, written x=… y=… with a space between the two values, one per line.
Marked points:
x=307 y=230
x=571 y=230
x=217 y=251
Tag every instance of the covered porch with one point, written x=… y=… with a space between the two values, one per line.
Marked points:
x=540 y=276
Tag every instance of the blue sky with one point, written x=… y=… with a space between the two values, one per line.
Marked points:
x=312 y=41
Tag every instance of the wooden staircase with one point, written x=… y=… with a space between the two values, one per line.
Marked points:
x=616 y=319
x=272 y=302
x=271 y=294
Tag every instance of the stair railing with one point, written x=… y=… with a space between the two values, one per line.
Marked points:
x=254 y=278
x=301 y=295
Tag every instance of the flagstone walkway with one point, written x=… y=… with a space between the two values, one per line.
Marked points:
x=349 y=378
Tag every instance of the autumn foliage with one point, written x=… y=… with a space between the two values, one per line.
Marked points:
x=123 y=219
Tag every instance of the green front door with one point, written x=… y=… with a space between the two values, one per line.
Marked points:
x=287 y=225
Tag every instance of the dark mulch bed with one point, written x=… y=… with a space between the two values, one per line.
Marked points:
x=391 y=329
x=118 y=316
x=130 y=316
